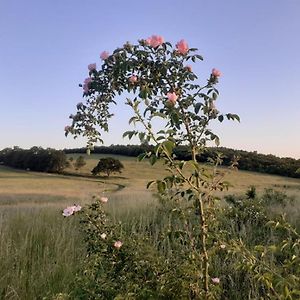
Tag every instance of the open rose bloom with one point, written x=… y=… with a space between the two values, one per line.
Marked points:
x=155 y=41
x=104 y=55
x=172 y=97
x=70 y=210
x=182 y=47
x=118 y=244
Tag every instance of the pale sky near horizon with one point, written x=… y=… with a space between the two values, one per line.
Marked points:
x=45 y=47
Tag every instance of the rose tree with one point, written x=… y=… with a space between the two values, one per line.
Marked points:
x=161 y=85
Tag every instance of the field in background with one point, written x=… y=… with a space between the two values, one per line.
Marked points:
x=41 y=251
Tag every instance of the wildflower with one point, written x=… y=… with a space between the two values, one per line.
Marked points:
x=118 y=244
x=86 y=84
x=103 y=236
x=215 y=280
x=68 y=211
x=182 y=47
x=222 y=246
x=216 y=73
x=76 y=208
x=172 y=97
x=104 y=55
x=103 y=199
x=188 y=68
x=133 y=79
x=155 y=41
x=92 y=67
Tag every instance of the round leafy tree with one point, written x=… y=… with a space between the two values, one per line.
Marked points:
x=108 y=165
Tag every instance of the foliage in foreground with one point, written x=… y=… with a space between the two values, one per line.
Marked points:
x=254 y=256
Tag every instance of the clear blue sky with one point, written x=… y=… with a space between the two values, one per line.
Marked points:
x=46 y=45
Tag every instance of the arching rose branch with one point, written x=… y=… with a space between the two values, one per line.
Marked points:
x=161 y=85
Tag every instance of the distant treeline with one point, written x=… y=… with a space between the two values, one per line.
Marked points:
x=251 y=161
x=34 y=159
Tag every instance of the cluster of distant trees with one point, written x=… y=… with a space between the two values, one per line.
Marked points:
x=251 y=161
x=34 y=159
x=51 y=160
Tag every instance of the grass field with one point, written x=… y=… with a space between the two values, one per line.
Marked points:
x=41 y=251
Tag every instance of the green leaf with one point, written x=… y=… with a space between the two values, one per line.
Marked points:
x=221 y=118
x=153 y=159
x=168 y=146
x=197 y=107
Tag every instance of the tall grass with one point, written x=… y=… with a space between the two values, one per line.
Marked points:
x=40 y=253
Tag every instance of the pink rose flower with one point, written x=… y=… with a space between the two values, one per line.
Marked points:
x=133 y=79
x=118 y=244
x=172 y=97
x=155 y=41
x=216 y=72
x=215 y=280
x=103 y=199
x=86 y=84
x=222 y=246
x=76 y=208
x=189 y=68
x=92 y=67
x=68 y=211
x=182 y=47
x=104 y=55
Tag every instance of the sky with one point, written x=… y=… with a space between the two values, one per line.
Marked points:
x=46 y=45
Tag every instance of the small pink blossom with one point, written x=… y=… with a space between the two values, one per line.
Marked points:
x=189 y=68
x=104 y=55
x=155 y=41
x=222 y=246
x=133 y=79
x=103 y=199
x=172 y=97
x=92 y=67
x=103 y=236
x=118 y=244
x=182 y=47
x=216 y=72
x=86 y=84
x=68 y=211
x=77 y=208
x=215 y=280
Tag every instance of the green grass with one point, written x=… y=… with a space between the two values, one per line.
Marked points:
x=41 y=251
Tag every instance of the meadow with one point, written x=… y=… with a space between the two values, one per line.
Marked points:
x=41 y=251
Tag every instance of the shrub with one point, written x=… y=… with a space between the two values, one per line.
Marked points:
x=108 y=165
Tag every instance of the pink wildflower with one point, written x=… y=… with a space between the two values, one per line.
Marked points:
x=189 y=68
x=86 y=84
x=172 y=97
x=133 y=79
x=77 y=208
x=68 y=211
x=215 y=280
x=182 y=47
x=92 y=67
x=103 y=199
x=155 y=41
x=103 y=236
x=222 y=246
x=118 y=244
x=216 y=72
x=104 y=55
